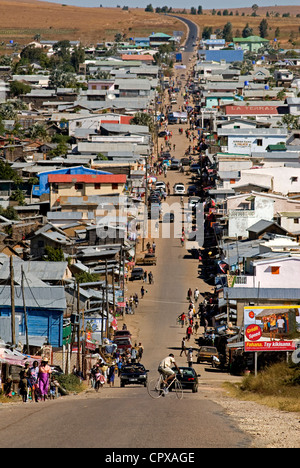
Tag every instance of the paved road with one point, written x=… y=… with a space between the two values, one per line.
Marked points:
x=128 y=417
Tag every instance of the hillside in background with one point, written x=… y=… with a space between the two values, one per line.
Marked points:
x=22 y=20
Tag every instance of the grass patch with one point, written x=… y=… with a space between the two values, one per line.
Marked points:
x=71 y=383
x=277 y=386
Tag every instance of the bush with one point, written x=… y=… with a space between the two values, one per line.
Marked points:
x=70 y=383
x=273 y=380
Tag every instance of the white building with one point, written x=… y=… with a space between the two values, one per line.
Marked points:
x=247 y=141
x=280 y=180
x=251 y=210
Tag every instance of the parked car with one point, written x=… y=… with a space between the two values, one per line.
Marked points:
x=188 y=378
x=185 y=161
x=160 y=184
x=195 y=167
x=123 y=344
x=133 y=374
x=206 y=353
x=169 y=218
x=192 y=189
x=148 y=259
x=137 y=274
x=179 y=189
x=122 y=334
x=175 y=164
x=162 y=134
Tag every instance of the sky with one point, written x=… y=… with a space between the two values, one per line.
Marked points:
x=206 y=4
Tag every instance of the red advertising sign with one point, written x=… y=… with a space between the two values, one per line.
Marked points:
x=271 y=328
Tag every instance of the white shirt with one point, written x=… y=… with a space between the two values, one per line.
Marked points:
x=167 y=362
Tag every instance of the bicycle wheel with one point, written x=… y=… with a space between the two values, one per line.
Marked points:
x=154 y=388
x=178 y=390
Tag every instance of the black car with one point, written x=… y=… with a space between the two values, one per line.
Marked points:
x=162 y=134
x=133 y=374
x=169 y=218
x=136 y=274
x=188 y=378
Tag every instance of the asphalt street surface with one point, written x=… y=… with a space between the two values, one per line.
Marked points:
x=127 y=417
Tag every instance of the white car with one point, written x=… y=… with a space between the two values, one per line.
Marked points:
x=159 y=185
x=179 y=189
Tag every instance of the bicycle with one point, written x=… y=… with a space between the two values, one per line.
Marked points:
x=157 y=388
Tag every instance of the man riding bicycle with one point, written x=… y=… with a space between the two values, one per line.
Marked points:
x=165 y=368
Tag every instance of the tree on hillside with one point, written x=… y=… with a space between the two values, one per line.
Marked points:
x=227 y=32
x=149 y=8
x=254 y=9
x=263 y=28
x=247 y=31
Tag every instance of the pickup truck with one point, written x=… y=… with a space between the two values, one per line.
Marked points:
x=148 y=259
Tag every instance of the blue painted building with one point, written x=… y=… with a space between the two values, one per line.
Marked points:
x=45 y=307
x=229 y=55
x=143 y=42
x=44 y=186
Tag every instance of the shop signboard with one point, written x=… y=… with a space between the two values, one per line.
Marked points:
x=271 y=328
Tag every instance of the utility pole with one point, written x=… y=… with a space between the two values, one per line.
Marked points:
x=106 y=296
x=78 y=326
x=25 y=311
x=12 y=300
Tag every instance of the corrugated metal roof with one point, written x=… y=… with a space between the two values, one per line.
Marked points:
x=262 y=293
x=49 y=297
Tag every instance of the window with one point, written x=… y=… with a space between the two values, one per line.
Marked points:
x=294 y=179
x=78 y=186
x=97 y=186
x=275 y=270
x=259 y=142
x=114 y=186
x=296 y=220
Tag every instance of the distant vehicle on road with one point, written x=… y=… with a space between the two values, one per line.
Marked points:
x=179 y=189
x=175 y=164
x=188 y=378
x=133 y=374
x=137 y=274
x=206 y=353
x=169 y=218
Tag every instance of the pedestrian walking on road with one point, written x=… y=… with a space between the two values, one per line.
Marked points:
x=150 y=277
x=111 y=375
x=44 y=378
x=190 y=357
x=189 y=294
x=189 y=332
x=196 y=327
x=182 y=319
x=142 y=291
x=183 y=348
x=140 y=351
x=196 y=294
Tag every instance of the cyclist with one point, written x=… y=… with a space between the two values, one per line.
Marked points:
x=165 y=368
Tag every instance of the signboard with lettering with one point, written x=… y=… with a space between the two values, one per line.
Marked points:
x=271 y=328
x=251 y=110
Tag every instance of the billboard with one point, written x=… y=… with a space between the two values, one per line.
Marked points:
x=271 y=328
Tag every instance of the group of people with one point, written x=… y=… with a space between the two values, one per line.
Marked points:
x=103 y=373
x=36 y=382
